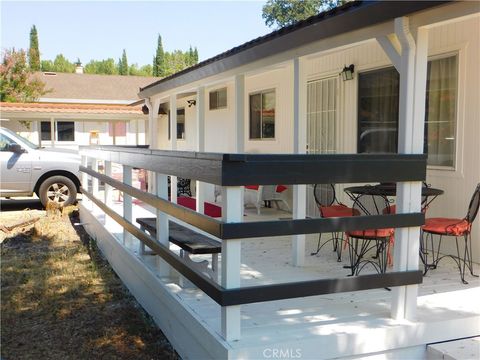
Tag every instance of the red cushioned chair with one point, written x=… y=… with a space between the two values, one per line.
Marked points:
x=330 y=207
x=370 y=240
x=453 y=228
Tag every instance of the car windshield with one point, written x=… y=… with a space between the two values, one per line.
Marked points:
x=25 y=141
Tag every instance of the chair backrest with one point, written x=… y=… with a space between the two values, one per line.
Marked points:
x=370 y=204
x=324 y=194
x=474 y=205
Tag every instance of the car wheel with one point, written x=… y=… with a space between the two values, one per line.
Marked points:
x=59 y=189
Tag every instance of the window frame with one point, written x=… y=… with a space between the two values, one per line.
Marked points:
x=217 y=97
x=55 y=131
x=262 y=92
x=458 y=120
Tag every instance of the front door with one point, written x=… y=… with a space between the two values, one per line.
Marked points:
x=322 y=125
x=16 y=169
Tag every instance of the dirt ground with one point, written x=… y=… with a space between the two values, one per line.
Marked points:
x=61 y=300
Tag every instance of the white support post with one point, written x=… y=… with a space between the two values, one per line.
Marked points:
x=240 y=113
x=232 y=211
x=36 y=133
x=200 y=186
x=392 y=48
x=299 y=147
x=52 y=131
x=152 y=135
x=127 y=203
x=413 y=76
x=173 y=143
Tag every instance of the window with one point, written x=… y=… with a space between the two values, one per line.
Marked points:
x=378 y=111
x=378 y=101
x=181 y=123
x=262 y=115
x=218 y=99
x=64 y=131
x=440 y=111
x=46 y=131
x=5 y=143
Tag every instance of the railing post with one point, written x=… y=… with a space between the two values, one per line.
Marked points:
x=107 y=193
x=84 y=163
x=94 y=179
x=127 y=202
x=232 y=211
x=108 y=188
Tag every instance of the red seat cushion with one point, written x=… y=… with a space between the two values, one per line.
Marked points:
x=280 y=188
x=338 y=210
x=251 y=187
x=372 y=233
x=446 y=226
x=211 y=210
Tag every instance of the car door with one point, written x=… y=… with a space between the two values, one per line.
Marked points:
x=16 y=168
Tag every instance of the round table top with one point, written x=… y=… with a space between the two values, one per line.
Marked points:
x=388 y=190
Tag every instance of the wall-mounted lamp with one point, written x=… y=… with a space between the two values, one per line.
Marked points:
x=347 y=72
x=191 y=103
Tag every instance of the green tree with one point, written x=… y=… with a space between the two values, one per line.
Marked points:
x=61 y=64
x=195 y=55
x=280 y=13
x=123 y=64
x=103 y=67
x=47 y=65
x=159 y=59
x=33 y=51
x=17 y=83
x=145 y=70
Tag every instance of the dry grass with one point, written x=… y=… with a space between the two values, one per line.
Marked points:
x=61 y=300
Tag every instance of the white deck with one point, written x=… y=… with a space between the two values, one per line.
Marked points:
x=328 y=326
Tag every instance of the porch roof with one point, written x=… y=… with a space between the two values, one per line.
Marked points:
x=69 y=108
x=352 y=16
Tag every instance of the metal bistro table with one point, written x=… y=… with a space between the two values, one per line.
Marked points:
x=389 y=190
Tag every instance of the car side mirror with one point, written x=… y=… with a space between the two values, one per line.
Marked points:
x=15 y=148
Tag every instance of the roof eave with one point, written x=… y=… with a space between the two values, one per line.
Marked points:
x=356 y=17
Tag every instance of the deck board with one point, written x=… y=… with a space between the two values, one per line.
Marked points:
x=268 y=261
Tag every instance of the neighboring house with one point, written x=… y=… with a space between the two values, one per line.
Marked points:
x=80 y=109
x=285 y=93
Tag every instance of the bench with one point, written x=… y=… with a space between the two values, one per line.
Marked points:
x=190 y=243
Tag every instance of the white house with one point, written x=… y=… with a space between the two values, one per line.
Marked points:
x=79 y=109
x=284 y=93
x=414 y=89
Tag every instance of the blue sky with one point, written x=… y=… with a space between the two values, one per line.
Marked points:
x=99 y=29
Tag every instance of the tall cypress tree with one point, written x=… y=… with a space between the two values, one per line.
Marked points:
x=159 y=59
x=34 y=52
x=195 y=56
x=123 y=64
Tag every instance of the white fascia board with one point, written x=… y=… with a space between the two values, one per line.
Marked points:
x=71 y=116
x=86 y=101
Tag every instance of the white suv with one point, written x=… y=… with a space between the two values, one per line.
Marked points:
x=52 y=174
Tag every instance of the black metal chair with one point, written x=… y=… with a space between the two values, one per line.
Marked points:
x=183 y=187
x=330 y=207
x=453 y=228
x=361 y=242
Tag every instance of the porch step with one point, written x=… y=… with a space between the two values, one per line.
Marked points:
x=463 y=349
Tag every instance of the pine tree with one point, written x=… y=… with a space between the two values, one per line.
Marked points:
x=195 y=56
x=159 y=59
x=34 y=52
x=123 y=64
